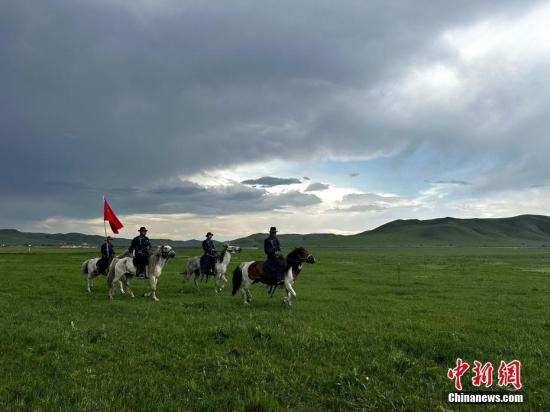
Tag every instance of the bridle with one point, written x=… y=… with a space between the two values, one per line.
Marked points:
x=301 y=259
x=162 y=252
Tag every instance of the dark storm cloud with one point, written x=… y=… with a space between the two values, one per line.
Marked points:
x=219 y=200
x=109 y=97
x=316 y=186
x=270 y=181
x=180 y=197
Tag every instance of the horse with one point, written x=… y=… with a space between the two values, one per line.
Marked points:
x=89 y=268
x=220 y=267
x=248 y=273
x=124 y=267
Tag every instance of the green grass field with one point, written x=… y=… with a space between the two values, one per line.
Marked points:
x=357 y=336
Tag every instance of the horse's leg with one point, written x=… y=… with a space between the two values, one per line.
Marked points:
x=90 y=278
x=153 y=287
x=121 y=285
x=217 y=287
x=245 y=287
x=224 y=281
x=244 y=295
x=197 y=275
x=290 y=293
x=126 y=283
x=185 y=278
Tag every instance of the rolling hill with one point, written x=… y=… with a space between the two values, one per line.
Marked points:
x=513 y=231
x=524 y=230
x=12 y=237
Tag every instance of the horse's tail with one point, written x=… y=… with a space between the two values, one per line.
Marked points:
x=111 y=273
x=110 y=278
x=185 y=271
x=84 y=268
x=237 y=279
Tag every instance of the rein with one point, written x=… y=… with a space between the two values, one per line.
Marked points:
x=299 y=260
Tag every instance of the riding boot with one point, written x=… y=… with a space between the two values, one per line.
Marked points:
x=280 y=278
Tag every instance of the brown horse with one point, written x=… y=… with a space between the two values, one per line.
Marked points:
x=248 y=273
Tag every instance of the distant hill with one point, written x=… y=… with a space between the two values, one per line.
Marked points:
x=314 y=239
x=524 y=230
x=12 y=237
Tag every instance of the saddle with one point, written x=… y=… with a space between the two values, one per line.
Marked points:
x=102 y=265
x=206 y=263
x=140 y=266
x=274 y=271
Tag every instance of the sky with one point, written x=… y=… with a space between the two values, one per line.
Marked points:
x=231 y=117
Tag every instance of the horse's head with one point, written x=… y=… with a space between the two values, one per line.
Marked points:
x=300 y=255
x=233 y=249
x=166 y=251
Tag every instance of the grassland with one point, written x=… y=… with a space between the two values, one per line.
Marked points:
x=357 y=337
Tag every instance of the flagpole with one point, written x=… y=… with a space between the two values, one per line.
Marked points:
x=104 y=224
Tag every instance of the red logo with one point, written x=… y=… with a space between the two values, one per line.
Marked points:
x=483 y=374
x=456 y=373
x=508 y=374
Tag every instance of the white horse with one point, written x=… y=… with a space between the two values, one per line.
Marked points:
x=89 y=268
x=220 y=267
x=125 y=266
x=248 y=273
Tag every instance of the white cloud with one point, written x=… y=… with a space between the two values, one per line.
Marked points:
x=508 y=41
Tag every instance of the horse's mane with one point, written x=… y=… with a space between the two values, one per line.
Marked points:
x=154 y=257
x=123 y=255
x=222 y=255
x=295 y=251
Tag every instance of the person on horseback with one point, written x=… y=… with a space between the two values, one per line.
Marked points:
x=140 y=248
x=275 y=264
x=209 y=255
x=107 y=254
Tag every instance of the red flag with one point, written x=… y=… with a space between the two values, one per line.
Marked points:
x=110 y=216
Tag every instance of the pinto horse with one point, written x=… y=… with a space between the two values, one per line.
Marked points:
x=248 y=273
x=122 y=268
x=90 y=269
x=220 y=267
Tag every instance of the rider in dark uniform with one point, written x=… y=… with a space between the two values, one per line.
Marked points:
x=209 y=256
x=275 y=264
x=140 y=247
x=107 y=254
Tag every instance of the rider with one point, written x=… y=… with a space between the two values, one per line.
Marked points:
x=140 y=247
x=107 y=254
x=275 y=263
x=209 y=253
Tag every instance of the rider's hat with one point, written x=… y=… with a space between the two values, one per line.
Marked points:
x=272 y=229
x=209 y=234
x=109 y=238
x=143 y=229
